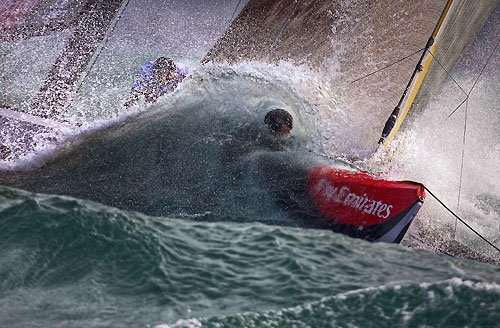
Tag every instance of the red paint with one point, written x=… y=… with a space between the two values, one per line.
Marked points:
x=360 y=198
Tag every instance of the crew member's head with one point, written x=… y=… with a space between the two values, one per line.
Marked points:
x=279 y=122
x=164 y=69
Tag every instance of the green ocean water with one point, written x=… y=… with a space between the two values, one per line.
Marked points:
x=66 y=262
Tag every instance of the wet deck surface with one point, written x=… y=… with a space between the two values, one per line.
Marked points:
x=22 y=133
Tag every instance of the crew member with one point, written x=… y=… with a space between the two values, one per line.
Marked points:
x=156 y=78
x=279 y=122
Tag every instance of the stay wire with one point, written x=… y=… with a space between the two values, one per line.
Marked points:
x=454 y=81
x=462 y=164
x=458 y=218
x=448 y=73
x=4 y=79
x=486 y=64
x=394 y=63
x=456 y=108
x=475 y=82
x=466 y=101
x=430 y=245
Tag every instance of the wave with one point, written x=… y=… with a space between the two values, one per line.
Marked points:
x=203 y=149
x=53 y=240
x=81 y=260
x=450 y=303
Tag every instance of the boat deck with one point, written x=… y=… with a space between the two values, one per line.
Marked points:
x=21 y=132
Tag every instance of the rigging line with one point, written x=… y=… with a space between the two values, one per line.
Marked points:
x=482 y=70
x=477 y=79
x=453 y=112
x=462 y=165
x=285 y=24
x=225 y=31
x=448 y=73
x=103 y=45
x=394 y=63
x=458 y=218
x=465 y=127
x=454 y=81
x=4 y=81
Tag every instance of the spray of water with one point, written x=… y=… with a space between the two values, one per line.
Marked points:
x=433 y=151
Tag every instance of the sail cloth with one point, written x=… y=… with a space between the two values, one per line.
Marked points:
x=86 y=21
x=12 y=11
x=461 y=25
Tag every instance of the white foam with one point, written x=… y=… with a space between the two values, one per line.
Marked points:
x=182 y=323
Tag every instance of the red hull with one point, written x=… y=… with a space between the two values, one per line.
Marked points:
x=362 y=205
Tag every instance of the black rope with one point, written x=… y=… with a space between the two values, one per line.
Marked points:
x=460 y=105
x=454 y=81
x=482 y=70
x=458 y=218
x=4 y=80
x=466 y=101
x=448 y=73
x=462 y=164
x=394 y=63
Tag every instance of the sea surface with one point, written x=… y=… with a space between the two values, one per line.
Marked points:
x=186 y=212
x=67 y=262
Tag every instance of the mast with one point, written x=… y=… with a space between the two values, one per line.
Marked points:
x=399 y=113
